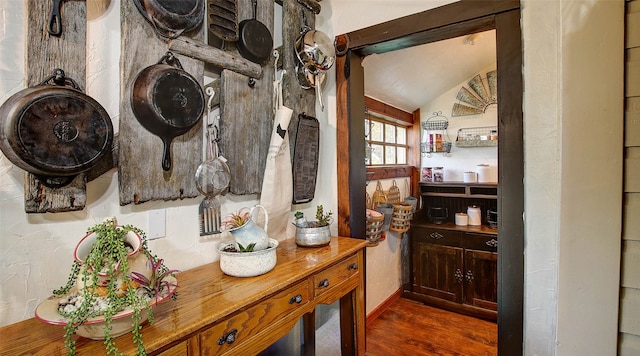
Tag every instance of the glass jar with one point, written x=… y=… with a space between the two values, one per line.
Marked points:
x=438 y=174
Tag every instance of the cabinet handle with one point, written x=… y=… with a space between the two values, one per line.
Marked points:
x=435 y=235
x=323 y=283
x=469 y=277
x=458 y=275
x=353 y=266
x=228 y=338
x=492 y=243
x=296 y=299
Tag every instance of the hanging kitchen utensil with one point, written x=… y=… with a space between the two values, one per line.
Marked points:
x=171 y=18
x=305 y=159
x=54 y=130
x=55 y=19
x=167 y=101
x=223 y=19
x=316 y=54
x=212 y=176
x=254 y=39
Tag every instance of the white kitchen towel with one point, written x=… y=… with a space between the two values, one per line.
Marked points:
x=277 y=185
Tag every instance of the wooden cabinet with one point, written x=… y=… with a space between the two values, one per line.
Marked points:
x=455 y=267
x=216 y=314
x=455 y=270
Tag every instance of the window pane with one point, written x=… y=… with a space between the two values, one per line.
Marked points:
x=402 y=155
x=376 y=154
x=402 y=136
x=390 y=155
x=376 y=131
x=367 y=153
x=390 y=133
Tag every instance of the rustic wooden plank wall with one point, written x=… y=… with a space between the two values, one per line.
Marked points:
x=629 y=333
x=295 y=97
x=140 y=174
x=246 y=112
x=44 y=53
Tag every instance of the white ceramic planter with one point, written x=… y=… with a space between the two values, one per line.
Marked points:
x=247 y=264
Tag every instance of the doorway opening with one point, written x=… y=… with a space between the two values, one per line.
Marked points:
x=449 y=21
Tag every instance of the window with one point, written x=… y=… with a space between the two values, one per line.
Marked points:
x=385 y=142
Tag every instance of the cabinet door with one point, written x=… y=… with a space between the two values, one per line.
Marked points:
x=438 y=271
x=481 y=279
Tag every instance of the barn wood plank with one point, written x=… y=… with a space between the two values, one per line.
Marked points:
x=246 y=114
x=43 y=54
x=301 y=101
x=140 y=174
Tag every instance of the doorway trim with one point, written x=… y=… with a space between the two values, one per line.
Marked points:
x=457 y=19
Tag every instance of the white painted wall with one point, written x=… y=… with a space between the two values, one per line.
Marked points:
x=461 y=159
x=573 y=83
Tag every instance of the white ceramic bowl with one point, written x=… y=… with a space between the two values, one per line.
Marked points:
x=121 y=323
x=247 y=264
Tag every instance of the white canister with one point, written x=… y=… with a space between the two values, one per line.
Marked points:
x=484 y=173
x=462 y=219
x=475 y=216
x=469 y=177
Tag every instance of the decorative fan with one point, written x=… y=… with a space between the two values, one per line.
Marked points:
x=475 y=99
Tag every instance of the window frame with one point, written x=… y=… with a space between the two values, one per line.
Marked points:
x=369 y=142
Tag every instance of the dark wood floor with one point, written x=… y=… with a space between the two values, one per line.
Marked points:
x=412 y=328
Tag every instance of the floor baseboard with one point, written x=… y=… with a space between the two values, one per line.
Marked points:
x=383 y=306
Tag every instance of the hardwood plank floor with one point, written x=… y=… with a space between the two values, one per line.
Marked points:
x=411 y=328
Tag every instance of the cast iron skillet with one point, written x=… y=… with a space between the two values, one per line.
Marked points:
x=167 y=101
x=255 y=42
x=171 y=18
x=54 y=130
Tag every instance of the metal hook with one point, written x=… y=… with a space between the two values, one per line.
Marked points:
x=211 y=93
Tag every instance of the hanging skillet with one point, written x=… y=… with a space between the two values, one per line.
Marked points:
x=255 y=42
x=167 y=101
x=171 y=18
x=54 y=130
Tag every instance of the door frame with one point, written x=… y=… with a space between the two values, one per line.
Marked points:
x=457 y=19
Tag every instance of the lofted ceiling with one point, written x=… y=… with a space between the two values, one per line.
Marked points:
x=410 y=78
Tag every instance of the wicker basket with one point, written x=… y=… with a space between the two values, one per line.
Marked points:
x=374 y=225
x=393 y=195
x=401 y=218
x=378 y=197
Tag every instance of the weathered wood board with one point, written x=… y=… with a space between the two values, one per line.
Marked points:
x=140 y=174
x=44 y=54
x=246 y=113
x=301 y=101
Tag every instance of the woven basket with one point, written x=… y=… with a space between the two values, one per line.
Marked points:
x=378 y=197
x=401 y=218
x=374 y=225
x=393 y=196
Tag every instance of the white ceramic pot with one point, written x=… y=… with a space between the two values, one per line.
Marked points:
x=247 y=264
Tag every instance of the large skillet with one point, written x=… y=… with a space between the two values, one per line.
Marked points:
x=167 y=101
x=54 y=130
x=171 y=18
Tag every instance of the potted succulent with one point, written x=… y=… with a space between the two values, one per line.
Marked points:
x=114 y=282
x=252 y=252
x=313 y=233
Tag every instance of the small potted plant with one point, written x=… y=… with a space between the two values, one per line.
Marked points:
x=114 y=282
x=252 y=252
x=315 y=233
x=245 y=231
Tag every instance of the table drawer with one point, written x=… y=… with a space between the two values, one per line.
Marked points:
x=333 y=276
x=437 y=236
x=242 y=326
x=482 y=242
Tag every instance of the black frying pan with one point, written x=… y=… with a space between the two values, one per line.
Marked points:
x=54 y=130
x=167 y=101
x=254 y=39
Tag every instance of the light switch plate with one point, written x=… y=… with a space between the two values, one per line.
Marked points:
x=157 y=224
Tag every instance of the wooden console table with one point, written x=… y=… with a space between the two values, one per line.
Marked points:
x=218 y=314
